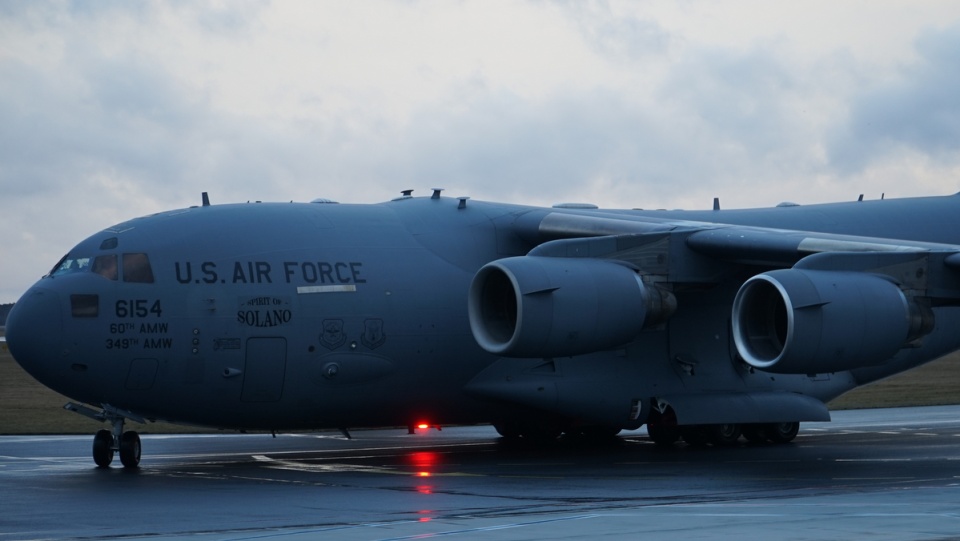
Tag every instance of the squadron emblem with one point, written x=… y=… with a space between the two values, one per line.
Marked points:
x=373 y=336
x=332 y=336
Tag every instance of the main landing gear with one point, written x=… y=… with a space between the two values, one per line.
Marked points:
x=664 y=431
x=106 y=443
x=722 y=435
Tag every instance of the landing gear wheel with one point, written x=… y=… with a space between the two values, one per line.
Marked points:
x=662 y=426
x=130 y=449
x=724 y=435
x=103 y=448
x=663 y=436
x=781 y=432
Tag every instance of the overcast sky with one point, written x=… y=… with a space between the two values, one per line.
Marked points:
x=110 y=110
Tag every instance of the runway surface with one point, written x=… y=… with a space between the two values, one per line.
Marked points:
x=873 y=474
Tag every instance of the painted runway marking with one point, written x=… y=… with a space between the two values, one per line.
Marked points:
x=874 y=460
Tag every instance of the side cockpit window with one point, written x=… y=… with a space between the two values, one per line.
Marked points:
x=136 y=268
x=106 y=266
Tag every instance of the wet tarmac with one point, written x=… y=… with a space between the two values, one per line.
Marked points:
x=872 y=474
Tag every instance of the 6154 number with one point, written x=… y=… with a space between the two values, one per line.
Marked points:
x=138 y=308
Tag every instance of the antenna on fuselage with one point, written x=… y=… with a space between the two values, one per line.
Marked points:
x=205 y=198
x=716 y=203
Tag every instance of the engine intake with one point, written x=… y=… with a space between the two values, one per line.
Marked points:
x=796 y=321
x=533 y=306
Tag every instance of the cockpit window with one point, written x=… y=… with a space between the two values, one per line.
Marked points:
x=69 y=265
x=136 y=268
x=106 y=266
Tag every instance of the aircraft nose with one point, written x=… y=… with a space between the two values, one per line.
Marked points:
x=34 y=329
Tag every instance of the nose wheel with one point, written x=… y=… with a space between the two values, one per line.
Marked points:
x=130 y=449
x=103 y=448
x=107 y=443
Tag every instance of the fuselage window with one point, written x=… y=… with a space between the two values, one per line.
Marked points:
x=136 y=268
x=106 y=266
x=85 y=305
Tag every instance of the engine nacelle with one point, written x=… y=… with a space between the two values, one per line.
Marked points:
x=533 y=306
x=797 y=321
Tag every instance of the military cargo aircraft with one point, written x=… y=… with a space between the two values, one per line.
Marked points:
x=573 y=320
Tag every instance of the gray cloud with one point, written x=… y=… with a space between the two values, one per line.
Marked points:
x=919 y=110
x=620 y=37
x=97 y=136
x=548 y=150
x=70 y=124
x=744 y=97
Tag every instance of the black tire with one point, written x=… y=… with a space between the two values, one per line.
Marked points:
x=130 y=449
x=103 y=448
x=781 y=432
x=724 y=435
x=663 y=436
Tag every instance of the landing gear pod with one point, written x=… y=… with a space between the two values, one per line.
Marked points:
x=532 y=306
x=797 y=321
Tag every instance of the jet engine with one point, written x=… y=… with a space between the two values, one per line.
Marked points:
x=796 y=321
x=533 y=306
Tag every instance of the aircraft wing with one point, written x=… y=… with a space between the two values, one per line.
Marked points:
x=687 y=251
x=795 y=287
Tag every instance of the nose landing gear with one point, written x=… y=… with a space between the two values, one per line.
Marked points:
x=106 y=443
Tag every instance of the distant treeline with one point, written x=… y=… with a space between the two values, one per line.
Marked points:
x=4 y=310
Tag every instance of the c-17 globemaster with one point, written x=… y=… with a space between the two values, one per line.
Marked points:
x=706 y=326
